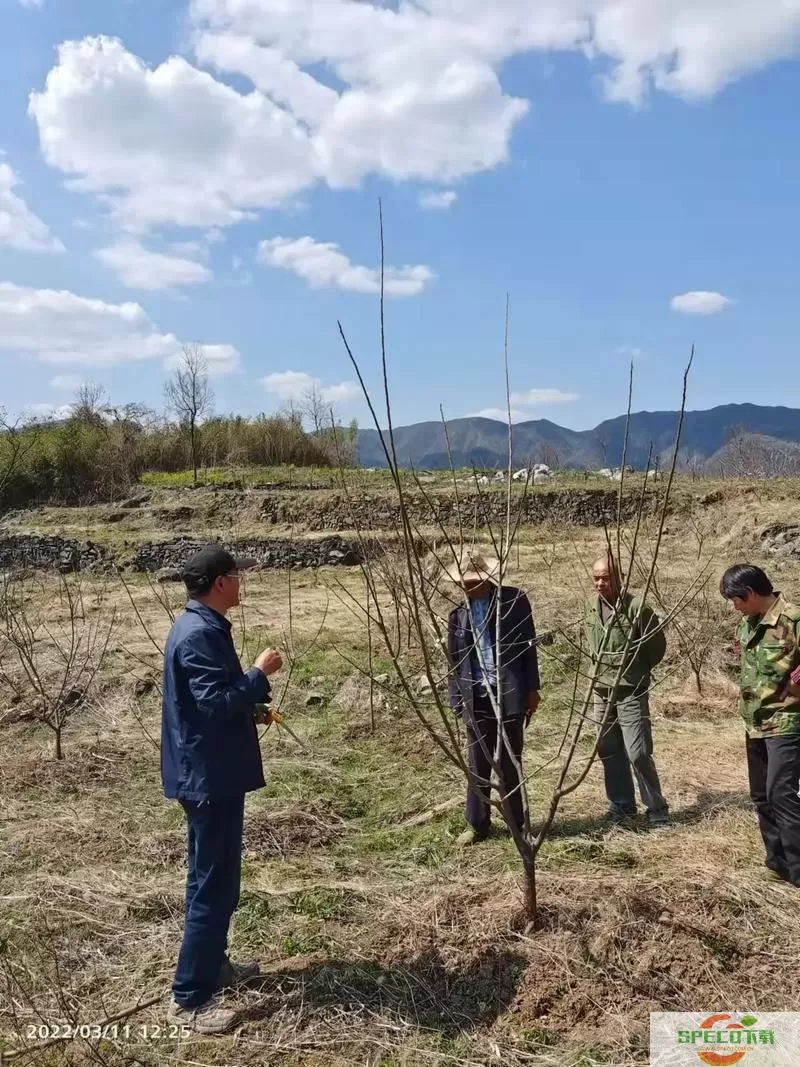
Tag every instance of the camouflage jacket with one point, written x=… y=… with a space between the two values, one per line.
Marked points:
x=770 y=651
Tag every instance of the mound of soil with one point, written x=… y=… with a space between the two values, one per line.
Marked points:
x=600 y=953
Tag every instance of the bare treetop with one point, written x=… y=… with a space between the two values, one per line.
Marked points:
x=189 y=394
x=90 y=401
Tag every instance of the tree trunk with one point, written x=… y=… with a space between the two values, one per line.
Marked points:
x=194 y=450
x=371 y=673
x=529 y=888
x=697 y=680
x=59 y=750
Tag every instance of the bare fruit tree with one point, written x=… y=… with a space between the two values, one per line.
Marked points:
x=91 y=402
x=51 y=647
x=189 y=395
x=315 y=409
x=418 y=605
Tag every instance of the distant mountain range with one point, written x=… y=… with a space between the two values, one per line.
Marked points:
x=479 y=442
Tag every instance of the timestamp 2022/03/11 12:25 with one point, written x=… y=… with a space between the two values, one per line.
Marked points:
x=116 y=1031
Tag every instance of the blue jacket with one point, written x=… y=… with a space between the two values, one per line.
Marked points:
x=519 y=664
x=209 y=741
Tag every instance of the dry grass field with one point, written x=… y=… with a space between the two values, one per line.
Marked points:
x=381 y=942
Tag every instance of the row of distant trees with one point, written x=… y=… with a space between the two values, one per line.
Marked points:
x=100 y=450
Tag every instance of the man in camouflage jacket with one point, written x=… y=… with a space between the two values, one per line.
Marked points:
x=769 y=643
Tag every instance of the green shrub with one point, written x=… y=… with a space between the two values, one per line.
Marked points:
x=98 y=455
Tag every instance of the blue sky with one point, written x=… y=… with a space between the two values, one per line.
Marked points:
x=627 y=171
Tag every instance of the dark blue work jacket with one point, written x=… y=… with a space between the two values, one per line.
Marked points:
x=519 y=664
x=209 y=741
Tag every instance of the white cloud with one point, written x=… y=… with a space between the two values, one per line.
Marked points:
x=688 y=48
x=69 y=382
x=500 y=414
x=46 y=412
x=19 y=227
x=31 y=3
x=386 y=55
x=138 y=267
x=417 y=99
x=432 y=201
x=700 y=303
x=296 y=385
x=345 y=89
x=170 y=145
x=198 y=251
x=522 y=402
x=59 y=327
x=323 y=266
x=535 y=398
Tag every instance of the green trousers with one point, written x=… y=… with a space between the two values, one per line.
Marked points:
x=625 y=749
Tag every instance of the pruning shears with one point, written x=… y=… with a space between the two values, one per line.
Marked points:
x=276 y=717
x=272 y=715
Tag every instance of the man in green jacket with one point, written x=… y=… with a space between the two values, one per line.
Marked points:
x=769 y=644
x=626 y=740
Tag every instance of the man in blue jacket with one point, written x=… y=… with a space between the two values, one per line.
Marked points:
x=479 y=671
x=210 y=757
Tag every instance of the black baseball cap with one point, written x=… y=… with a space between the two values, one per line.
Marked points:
x=203 y=568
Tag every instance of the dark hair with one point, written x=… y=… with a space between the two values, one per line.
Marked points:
x=744 y=578
x=203 y=569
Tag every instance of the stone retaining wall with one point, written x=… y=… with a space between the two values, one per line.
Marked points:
x=379 y=511
x=278 y=554
x=27 y=552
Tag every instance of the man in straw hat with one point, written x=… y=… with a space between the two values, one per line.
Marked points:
x=491 y=681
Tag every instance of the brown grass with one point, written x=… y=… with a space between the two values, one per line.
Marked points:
x=385 y=945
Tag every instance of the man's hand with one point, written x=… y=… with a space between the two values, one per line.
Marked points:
x=792 y=686
x=269 y=661
x=264 y=715
x=534 y=700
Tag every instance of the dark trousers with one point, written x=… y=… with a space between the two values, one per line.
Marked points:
x=773 y=765
x=481 y=742
x=212 y=892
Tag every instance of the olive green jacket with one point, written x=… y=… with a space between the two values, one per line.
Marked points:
x=646 y=649
x=770 y=650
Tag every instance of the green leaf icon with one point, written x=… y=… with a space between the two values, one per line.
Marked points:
x=748 y=1020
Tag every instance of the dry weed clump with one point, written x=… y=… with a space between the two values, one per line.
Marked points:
x=105 y=765
x=293 y=830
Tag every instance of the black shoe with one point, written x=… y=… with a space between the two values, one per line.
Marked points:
x=232 y=975
x=656 y=819
x=776 y=874
x=620 y=818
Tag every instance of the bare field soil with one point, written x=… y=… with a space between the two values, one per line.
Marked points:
x=381 y=942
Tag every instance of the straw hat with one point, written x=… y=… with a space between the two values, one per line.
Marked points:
x=471 y=567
